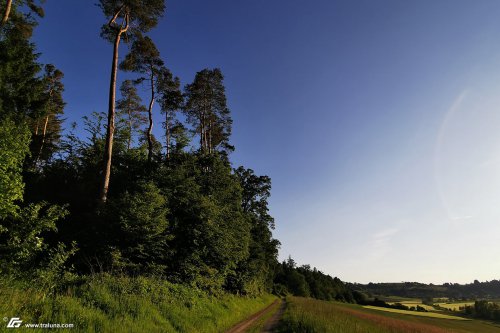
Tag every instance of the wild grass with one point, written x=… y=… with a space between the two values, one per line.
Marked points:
x=105 y=303
x=305 y=315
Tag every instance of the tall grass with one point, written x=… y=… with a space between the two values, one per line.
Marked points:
x=105 y=303
x=305 y=315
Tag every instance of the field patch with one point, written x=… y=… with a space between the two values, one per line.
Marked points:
x=415 y=313
x=455 y=306
x=414 y=304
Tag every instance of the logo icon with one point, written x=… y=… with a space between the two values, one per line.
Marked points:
x=14 y=322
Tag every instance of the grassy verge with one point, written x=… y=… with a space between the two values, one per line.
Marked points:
x=121 y=304
x=308 y=315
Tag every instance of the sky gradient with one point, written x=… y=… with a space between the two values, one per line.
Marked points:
x=378 y=121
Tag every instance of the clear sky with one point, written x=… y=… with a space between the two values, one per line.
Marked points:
x=378 y=121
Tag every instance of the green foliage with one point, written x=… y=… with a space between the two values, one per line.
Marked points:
x=54 y=268
x=47 y=124
x=170 y=98
x=142 y=15
x=304 y=281
x=142 y=219
x=484 y=309
x=256 y=274
x=143 y=58
x=207 y=112
x=475 y=290
x=210 y=233
x=14 y=145
x=21 y=240
x=21 y=90
x=131 y=112
x=20 y=21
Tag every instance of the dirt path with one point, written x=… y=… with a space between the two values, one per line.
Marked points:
x=272 y=323
x=245 y=324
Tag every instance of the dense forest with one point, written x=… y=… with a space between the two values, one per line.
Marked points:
x=121 y=200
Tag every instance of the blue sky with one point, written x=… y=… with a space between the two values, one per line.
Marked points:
x=378 y=121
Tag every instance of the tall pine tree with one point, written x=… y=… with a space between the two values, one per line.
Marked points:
x=144 y=58
x=124 y=16
x=207 y=112
x=130 y=110
x=170 y=99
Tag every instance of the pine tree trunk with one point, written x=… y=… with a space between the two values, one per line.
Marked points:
x=7 y=12
x=108 y=150
x=202 y=130
x=167 y=134
x=210 y=148
x=150 y=112
x=129 y=139
x=44 y=133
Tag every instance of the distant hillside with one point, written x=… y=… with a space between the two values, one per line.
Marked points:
x=488 y=289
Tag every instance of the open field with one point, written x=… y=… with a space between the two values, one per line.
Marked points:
x=308 y=315
x=120 y=304
x=398 y=299
x=416 y=313
x=414 y=304
x=455 y=306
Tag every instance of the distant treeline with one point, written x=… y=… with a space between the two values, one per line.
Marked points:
x=484 y=310
x=475 y=290
x=306 y=282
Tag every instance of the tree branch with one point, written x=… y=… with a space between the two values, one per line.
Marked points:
x=6 y=13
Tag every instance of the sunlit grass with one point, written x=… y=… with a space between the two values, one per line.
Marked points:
x=120 y=304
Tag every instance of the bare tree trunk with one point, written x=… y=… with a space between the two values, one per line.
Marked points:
x=205 y=140
x=167 y=134
x=129 y=139
x=7 y=12
x=44 y=133
x=108 y=150
x=210 y=137
x=150 y=112
x=110 y=130
x=202 y=130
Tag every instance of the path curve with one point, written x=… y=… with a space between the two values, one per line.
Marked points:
x=245 y=324
x=273 y=322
